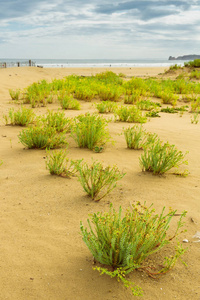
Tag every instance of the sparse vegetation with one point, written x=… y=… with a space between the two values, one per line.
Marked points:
x=90 y=130
x=159 y=158
x=124 y=242
x=42 y=138
x=22 y=117
x=120 y=240
x=194 y=63
x=136 y=137
x=105 y=107
x=14 y=94
x=68 y=102
x=129 y=114
x=56 y=120
x=58 y=163
x=195 y=117
x=96 y=180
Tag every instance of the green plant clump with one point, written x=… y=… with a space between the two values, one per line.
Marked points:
x=159 y=158
x=90 y=131
x=85 y=92
x=129 y=114
x=42 y=137
x=58 y=164
x=109 y=93
x=96 y=180
x=175 y=67
x=105 y=107
x=68 y=102
x=133 y=98
x=56 y=120
x=148 y=105
x=14 y=94
x=136 y=137
x=195 y=117
x=194 y=63
x=194 y=74
x=21 y=117
x=173 y=110
x=195 y=105
x=153 y=114
x=169 y=110
x=124 y=242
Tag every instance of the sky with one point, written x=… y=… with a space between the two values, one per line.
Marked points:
x=99 y=29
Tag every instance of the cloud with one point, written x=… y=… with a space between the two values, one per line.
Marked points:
x=119 y=24
x=145 y=9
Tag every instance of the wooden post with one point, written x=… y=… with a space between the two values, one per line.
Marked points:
x=30 y=63
x=18 y=64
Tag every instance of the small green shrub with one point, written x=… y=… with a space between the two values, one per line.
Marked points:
x=195 y=117
x=195 y=63
x=56 y=120
x=175 y=67
x=85 y=93
x=136 y=137
x=90 y=131
x=182 y=108
x=68 y=102
x=122 y=75
x=58 y=164
x=105 y=107
x=123 y=243
x=96 y=180
x=42 y=137
x=14 y=94
x=169 y=110
x=181 y=76
x=21 y=117
x=173 y=110
x=109 y=77
x=159 y=158
x=148 y=105
x=194 y=75
x=195 y=105
x=169 y=98
x=153 y=114
x=133 y=98
x=129 y=114
x=109 y=93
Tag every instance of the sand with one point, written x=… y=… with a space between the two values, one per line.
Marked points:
x=42 y=253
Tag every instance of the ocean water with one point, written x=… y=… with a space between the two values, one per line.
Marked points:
x=93 y=63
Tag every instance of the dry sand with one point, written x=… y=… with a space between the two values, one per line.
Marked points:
x=42 y=254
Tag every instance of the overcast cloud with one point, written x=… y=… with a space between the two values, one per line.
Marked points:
x=99 y=29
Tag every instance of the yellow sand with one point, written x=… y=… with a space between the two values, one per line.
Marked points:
x=42 y=254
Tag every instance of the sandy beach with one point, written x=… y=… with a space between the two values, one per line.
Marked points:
x=42 y=253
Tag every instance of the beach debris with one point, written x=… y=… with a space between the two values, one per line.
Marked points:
x=185 y=241
x=196 y=236
x=192 y=220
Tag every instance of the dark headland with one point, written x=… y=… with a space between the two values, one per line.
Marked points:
x=185 y=57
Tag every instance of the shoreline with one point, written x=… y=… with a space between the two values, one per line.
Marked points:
x=87 y=71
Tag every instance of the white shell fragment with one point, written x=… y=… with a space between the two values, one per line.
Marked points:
x=197 y=236
x=185 y=241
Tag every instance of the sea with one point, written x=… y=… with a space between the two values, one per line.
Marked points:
x=92 y=63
